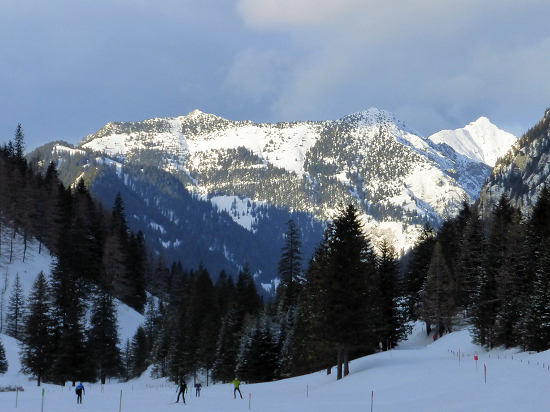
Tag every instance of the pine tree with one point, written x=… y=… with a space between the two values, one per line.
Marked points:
x=3 y=360
x=138 y=353
x=470 y=261
x=227 y=347
x=103 y=336
x=16 y=310
x=417 y=271
x=290 y=270
x=37 y=345
x=438 y=306
x=19 y=144
x=338 y=307
x=392 y=322
x=258 y=355
x=535 y=327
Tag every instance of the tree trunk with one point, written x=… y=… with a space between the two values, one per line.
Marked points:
x=346 y=363
x=339 y=363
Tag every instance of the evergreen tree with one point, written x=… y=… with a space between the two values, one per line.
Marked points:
x=137 y=267
x=437 y=305
x=3 y=360
x=339 y=308
x=535 y=297
x=417 y=271
x=392 y=321
x=258 y=355
x=103 y=336
x=290 y=270
x=16 y=310
x=37 y=347
x=247 y=300
x=138 y=353
x=72 y=361
x=227 y=347
x=19 y=144
x=471 y=262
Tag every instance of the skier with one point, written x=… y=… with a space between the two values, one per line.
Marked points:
x=183 y=389
x=198 y=387
x=237 y=383
x=79 y=391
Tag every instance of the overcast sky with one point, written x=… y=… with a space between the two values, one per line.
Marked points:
x=68 y=67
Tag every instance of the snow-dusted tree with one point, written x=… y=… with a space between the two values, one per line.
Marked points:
x=16 y=309
x=259 y=352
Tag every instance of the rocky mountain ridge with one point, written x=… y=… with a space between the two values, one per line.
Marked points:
x=398 y=178
x=523 y=171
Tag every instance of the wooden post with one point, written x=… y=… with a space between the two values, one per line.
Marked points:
x=120 y=407
x=42 y=399
x=372 y=401
x=249 y=400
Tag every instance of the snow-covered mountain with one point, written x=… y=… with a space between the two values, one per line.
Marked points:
x=523 y=171
x=397 y=177
x=480 y=140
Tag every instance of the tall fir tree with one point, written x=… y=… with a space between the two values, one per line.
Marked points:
x=37 y=343
x=3 y=361
x=103 y=337
x=417 y=271
x=16 y=310
x=392 y=321
x=289 y=270
x=138 y=356
x=438 y=306
x=258 y=354
x=339 y=306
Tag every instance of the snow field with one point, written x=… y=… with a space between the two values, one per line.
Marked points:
x=420 y=376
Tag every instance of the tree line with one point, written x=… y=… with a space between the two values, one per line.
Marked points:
x=488 y=269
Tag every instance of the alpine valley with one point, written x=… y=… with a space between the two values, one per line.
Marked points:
x=208 y=190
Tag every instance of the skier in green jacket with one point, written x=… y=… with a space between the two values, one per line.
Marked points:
x=237 y=383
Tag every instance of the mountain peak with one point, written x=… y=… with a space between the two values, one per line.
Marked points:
x=480 y=140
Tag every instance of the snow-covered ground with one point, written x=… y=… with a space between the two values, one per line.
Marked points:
x=420 y=376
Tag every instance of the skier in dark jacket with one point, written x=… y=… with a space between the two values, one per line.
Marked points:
x=79 y=391
x=198 y=387
x=183 y=389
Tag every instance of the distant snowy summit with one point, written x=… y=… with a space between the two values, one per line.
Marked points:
x=480 y=140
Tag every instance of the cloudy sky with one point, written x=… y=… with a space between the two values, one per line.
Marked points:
x=69 y=67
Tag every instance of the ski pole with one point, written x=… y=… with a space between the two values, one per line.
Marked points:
x=172 y=400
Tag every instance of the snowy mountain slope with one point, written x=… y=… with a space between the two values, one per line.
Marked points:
x=480 y=140
x=523 y=171
x=28 y=270
x=370 y=158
